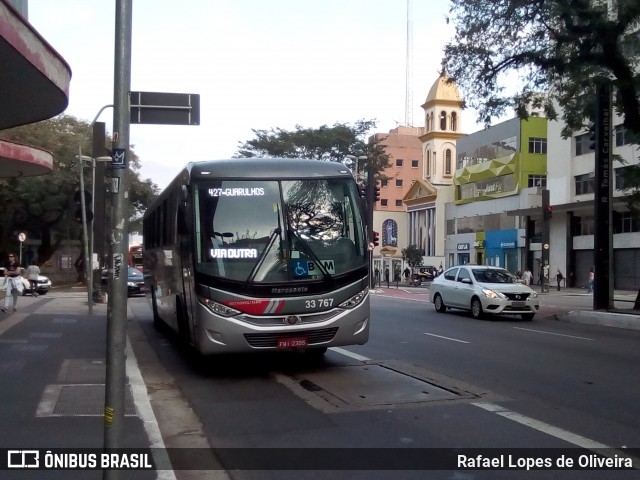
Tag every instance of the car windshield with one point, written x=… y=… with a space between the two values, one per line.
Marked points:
x=272 y=231
x=492 y=275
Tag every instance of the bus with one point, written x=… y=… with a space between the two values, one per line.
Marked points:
x=259 y=254
x=135 y=257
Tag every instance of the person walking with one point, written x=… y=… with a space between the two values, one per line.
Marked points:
x=559 y=278
x=32 y=275
x=13 y=285
x=592 y=277
x=527 y=277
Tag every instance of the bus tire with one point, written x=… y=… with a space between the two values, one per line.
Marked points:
x=157 y=321
x=183 y=325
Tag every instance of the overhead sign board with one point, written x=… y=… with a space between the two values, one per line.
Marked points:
x=164 y=108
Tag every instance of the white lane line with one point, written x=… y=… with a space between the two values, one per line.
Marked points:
x=347 y=353
x=557 y=432
x=446 y=338
x=553 y=333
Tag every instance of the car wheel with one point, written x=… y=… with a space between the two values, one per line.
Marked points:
x=476 y=308
x=527 y=316
x=440 y=306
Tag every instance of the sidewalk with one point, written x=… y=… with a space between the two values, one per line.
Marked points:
x=622 y=317
x=53 y=368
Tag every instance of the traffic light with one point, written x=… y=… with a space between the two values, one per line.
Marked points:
x=592 y=136
x=376 y=193
x=376 y=239
x=548 y=212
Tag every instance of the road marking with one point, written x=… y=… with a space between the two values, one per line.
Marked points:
x=347 y=353
x=553 y=333
x=446 y=338
x=557 y=432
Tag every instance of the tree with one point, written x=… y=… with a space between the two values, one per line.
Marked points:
x=561 y=48
x=323 y=143
x=43 y=206
x=412 y=255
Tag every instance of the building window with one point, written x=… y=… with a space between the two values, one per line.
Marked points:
x=447 y=162
x=399 y=162
x=584 y=184
x=537 y=181
x=622 y=181
x=454 y=121
x=398 y=182
x=583 y=226
x=384 y=182
x=428 y=164
x=620 y=133
x=537 y=145
x=414 y=163
x=625 y=222
x=443 y=120
x=383 y=202
x=582 y=144
x=398 y=203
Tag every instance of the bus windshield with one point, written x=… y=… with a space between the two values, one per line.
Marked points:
x=278 y=231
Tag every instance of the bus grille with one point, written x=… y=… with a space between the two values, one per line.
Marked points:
x=266 y=340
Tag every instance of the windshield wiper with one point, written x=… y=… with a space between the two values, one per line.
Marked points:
x=263 y=256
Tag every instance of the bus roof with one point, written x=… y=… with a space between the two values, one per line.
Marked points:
x=278 y=168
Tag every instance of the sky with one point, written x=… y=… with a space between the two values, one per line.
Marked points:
x=256 y=64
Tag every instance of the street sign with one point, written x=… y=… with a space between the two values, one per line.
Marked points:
x=22 y=237
x=164 y=108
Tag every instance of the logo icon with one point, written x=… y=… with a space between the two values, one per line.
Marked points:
x=23 y=459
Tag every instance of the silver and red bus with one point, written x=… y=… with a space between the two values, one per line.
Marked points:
x=259 y=254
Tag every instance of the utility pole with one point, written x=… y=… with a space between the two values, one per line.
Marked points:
x=119 y=237
x=603 y=192
x=546 y=230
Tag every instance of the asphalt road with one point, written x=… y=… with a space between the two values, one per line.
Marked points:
x=424 y=380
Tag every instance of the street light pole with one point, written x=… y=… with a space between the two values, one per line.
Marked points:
x=88 y=272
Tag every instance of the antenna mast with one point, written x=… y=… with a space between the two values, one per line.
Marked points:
x=408 y=98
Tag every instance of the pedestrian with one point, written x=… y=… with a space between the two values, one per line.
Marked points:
x=527 y=276
x=32 y=275
x=13 y=285
x=592 y=277
x=386 y=276
x=407 y=272
x=440 y=270
x=559 y=278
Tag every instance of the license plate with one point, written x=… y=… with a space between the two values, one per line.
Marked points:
x=518 y=304
x=292 y=342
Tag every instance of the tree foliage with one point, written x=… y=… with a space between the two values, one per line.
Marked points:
x=412 y=255
x=326 y=143
x=43 y=207
x=561 y=48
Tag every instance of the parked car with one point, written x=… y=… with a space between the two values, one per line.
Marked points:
x=135 y=280
x=483 y=290
x=44 y=285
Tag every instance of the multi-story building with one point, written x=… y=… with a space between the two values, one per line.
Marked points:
x=404 y=148
x=499 y=175
x=427 y=196
x=570 y=181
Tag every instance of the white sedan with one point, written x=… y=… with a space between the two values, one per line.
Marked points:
x=483 y=289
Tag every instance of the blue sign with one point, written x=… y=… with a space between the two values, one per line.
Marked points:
x=119 y=158
x=300 y=268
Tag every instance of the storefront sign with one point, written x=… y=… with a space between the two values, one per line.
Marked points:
x=463 y=246
x=507 y=244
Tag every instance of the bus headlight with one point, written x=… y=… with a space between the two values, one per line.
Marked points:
x=355 y=300
x=218 y=308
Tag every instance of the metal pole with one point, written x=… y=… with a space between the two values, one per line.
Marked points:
x=117 y=306
x=85 y=248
